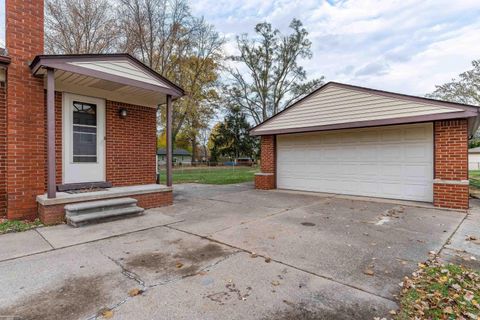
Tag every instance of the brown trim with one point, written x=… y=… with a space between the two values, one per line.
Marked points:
x=61 y=62
x=370 y=123
x=5 y=60
x=462 y=107
x=51 y=169
x=275 y=154
x=169 y=142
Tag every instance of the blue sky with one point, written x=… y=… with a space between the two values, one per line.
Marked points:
x=404 y=46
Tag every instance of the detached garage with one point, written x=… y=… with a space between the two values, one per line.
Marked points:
x=351 y=140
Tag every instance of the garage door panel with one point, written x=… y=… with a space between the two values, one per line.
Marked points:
x=392 y=162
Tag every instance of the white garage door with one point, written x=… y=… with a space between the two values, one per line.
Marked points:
x=390 y=162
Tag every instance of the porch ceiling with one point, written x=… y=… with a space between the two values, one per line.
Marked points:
x=117 y=77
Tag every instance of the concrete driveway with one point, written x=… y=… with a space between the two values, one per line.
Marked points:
x=315 y=257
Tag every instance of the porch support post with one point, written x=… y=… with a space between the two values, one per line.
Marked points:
x=169 y=141
x=51 y=185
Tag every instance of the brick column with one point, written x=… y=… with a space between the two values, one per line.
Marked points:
x=266 y=179
x=450 y=186
x=26 y=158
x=3 y=148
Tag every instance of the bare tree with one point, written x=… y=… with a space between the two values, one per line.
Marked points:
x=156 y=31
x=169 y=39
x=269 y=78
x=465 y=89
x=80 y=26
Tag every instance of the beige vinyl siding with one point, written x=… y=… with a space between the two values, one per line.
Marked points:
x=121 y=68
x=94 y=87
x=335 y=105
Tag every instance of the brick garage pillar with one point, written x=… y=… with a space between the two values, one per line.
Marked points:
x=266 y=179
x=450 y=186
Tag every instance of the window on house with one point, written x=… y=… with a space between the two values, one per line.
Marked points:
x=84 y=132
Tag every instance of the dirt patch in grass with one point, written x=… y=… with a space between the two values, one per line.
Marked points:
x=438 y=291
x=74 y=299
x=7 y=226
x=186 y=262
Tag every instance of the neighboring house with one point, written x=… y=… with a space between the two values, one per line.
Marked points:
x=180 y=157
x=75 y=121
x=474 y=158
x=358 y=141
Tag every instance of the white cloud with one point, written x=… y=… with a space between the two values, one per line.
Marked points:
x=406 y=46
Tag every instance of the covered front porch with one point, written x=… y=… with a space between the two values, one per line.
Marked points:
x=101 y=113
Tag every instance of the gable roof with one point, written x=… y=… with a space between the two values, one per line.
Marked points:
x=120 y=68
x=340 y=106
x=474 y=150
x=176 y=152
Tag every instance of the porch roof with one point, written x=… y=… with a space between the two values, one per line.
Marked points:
x=118 y=77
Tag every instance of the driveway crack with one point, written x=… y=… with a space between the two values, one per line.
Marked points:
x=285 y=264
x=127 y=273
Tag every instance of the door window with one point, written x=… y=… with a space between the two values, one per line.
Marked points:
x=84 y=132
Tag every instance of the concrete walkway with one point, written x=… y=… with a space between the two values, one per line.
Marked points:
x=316 y=256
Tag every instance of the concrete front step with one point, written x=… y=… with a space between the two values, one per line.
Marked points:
x=98 y=206
x=102 y=216
x=79 y=214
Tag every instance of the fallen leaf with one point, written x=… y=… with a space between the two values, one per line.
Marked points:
x=135 y=292
x=369 y=272
x=275 y=283
x=179 y=265
x=448 y=310
x=107 y=314
x=268 y=259
x=468 y=296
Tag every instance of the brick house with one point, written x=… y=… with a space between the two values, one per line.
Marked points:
x=73 y=122
x=357 y=141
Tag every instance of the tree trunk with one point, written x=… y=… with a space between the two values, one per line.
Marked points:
x=194 y=149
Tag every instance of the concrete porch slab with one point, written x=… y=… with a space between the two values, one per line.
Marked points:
x=22 y=244
x=116 y=192
x=63 y=235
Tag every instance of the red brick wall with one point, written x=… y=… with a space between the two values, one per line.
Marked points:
x=451 y=164
x=58 y=137
x=3 y=149
x=267 y=164
x=131 y=144
x=25 y=109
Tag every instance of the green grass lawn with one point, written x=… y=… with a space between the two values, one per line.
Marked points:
x=474 y=178
x=7 y=226
x=211 y=175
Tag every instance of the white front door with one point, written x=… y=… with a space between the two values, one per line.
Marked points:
x=389 y=162
x=83 y=139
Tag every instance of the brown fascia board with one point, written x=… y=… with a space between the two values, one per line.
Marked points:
x=371 y=123
x=61 y=62
x=5 y=60
x=464 y=107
